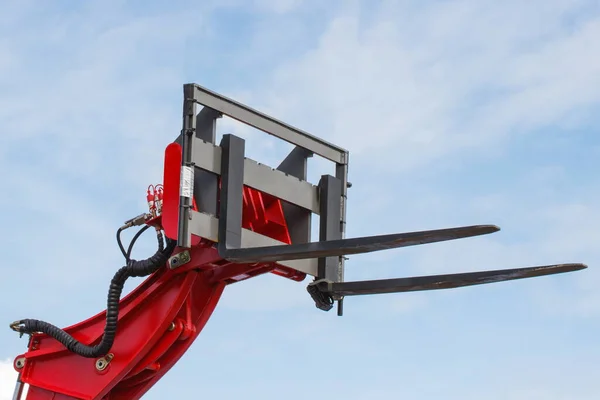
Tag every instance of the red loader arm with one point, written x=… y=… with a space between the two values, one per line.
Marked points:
x=159 y=320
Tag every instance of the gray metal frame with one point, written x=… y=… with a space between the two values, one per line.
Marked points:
x=203 y=162
x=265 y=123
x=220 y=215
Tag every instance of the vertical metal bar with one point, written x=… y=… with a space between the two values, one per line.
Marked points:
x=330 y=190
x=206 y=184
x=18 y=389
x=206 y=124
x=231 y=199
x=341 y=172
x=184 y=238
x=297 y=218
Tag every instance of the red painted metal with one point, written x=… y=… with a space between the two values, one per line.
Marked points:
x=161 y=318
x=171 y=187
x=262 y=212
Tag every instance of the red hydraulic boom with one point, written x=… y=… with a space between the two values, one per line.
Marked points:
x=220 y=218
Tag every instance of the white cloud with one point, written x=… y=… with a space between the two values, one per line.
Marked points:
x=413 y=84
x=8 y=377
x=8 y=380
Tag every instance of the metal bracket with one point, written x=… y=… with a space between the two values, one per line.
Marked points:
x=179 y=259
x=184 y=238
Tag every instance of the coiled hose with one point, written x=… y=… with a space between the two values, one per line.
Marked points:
x=132 y=269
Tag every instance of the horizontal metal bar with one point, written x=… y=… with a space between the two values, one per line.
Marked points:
x=436 y=282
x=269 y=124
x=260 y=177
x=207 y=226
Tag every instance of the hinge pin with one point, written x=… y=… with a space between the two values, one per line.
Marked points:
x=20 y=362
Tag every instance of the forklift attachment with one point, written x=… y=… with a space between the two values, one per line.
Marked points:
x=217 y=178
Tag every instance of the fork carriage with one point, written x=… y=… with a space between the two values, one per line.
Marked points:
x=222 y=183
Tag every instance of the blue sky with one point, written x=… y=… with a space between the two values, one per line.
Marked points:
x=455 y=113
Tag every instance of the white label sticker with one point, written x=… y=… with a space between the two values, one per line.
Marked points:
x=187 y=181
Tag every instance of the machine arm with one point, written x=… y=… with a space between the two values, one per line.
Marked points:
x=132 y=269
x=226 y=218
x=157 y=323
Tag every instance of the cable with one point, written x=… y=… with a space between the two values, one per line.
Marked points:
x=135 y=221
x=132 y=269
x=121 y=229
x=136 y=237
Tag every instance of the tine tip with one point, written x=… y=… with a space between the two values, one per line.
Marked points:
x=489 y=228
x=567 y=267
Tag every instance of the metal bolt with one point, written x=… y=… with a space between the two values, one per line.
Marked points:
x=179 y=259
x=103 y=362
x=172 y=327
x=20 y=363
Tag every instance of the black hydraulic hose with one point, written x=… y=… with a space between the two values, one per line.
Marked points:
x=121 y=229
x=136 y=237
x=132 y=269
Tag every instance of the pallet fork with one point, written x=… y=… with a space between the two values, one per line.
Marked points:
x=226 y=218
